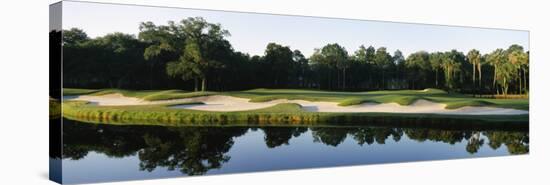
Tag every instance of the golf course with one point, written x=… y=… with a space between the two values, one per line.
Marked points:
x=280 y=106
x=188 y=73
x=149 y=92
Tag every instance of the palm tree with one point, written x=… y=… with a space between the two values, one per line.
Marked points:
x=495 y=59
x=436 y=60
x=526 y=68
x=504 y=69
x=475 y=59
x=451 y=67
x=518 y=59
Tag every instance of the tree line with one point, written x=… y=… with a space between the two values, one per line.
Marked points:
x=194 y=54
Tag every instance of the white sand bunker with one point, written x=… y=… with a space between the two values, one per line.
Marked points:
x=116 y=99
x=229 y=103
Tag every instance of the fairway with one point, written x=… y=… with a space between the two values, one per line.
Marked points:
x=401 y=97
x=280 y=105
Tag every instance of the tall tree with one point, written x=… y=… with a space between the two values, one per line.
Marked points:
x=418 y=65
x=382 y=59
x=518 y=59
x=74 y=36
x=452 y=64
x=525 y=74
x=335 y=57
x=303 y=66
x=504 y=70
x=399 y=62
x=203 y=43
x=436 y=63
x=164 y=44
x=280 y=62
x=474 y=58
x=361 y=54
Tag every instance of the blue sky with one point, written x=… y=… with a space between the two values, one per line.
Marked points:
x=250 y=33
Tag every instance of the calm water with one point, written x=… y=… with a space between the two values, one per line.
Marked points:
x=96 y=153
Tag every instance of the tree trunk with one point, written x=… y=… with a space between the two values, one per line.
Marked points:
x=519 y=79
x=151 y=76
x=474 y=75
x=329 y=79
x=203 y=85
x=474 y=79
x=505 y=87
x=479 y=71
x=436 y=78
x=495 y=79
x=344 y=79
x=196 y=84
x=525 y=81
x=383 y=79
x=337 y=78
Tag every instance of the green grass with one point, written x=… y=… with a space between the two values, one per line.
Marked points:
x=474 y=103
x=402 y=97
x=355 y=101
x=175 y=94
x=72 y=91
x=183 y=103
x=281 y=114
x=149 y=95
x=285 y=113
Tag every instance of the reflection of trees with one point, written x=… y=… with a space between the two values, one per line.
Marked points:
x=446 y=136
x=113 y=141
x=474 y=142
x=277 y=136
x=516 y=142
x=332 y=136
x=195 y=150
x=379 y=134
x=191 y=150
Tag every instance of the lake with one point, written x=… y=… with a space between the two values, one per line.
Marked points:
x=99 y=152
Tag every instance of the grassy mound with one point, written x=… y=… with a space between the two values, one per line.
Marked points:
x=184 y=103
x=71 y=91
x=259 y=99
x=355 y=101
x=464 y=103
x=175 y=94
x=399 y=99
x=149 y=95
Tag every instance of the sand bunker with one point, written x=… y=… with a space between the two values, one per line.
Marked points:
x=229 y=103
x=108 y=100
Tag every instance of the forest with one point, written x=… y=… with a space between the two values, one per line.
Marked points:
x=194 y=54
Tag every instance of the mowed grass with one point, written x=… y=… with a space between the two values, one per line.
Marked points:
x=280 y=114
x=73 y=91
x=401 y=97
x=149 y=95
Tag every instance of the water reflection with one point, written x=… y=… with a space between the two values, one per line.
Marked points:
x=196 y=150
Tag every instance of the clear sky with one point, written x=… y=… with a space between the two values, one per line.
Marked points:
x=250 y=33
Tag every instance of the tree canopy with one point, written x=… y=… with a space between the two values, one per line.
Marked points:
x=194 y=54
